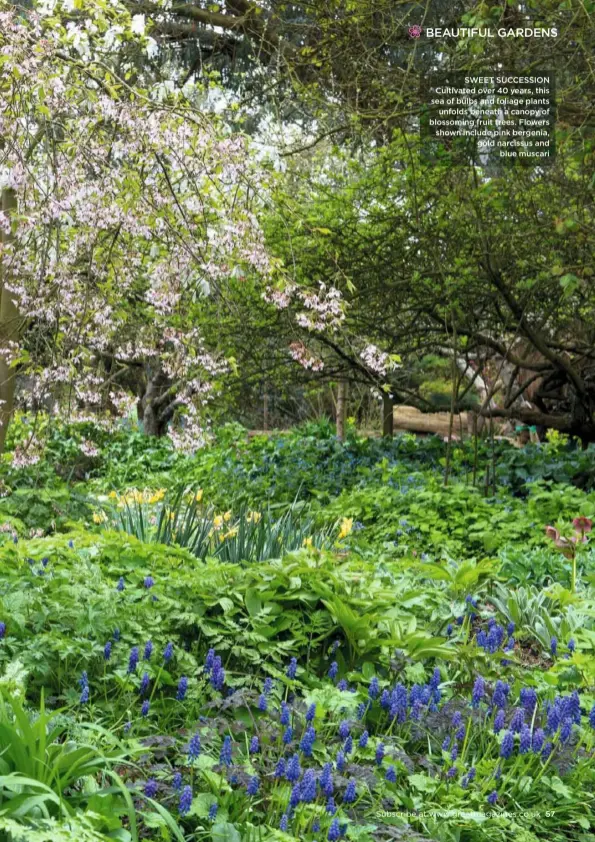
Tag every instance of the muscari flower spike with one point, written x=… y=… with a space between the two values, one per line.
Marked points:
x=528 y=697
x=308 y=786
x=525 y=740
x=334 y=831
x=185 y=801
x=150 y=788
x=225 y=753
x=194 y=748
x=517 y=721
x=566 y=730
x=182 y=689
x=478 y=691
x=500 y=695
x=326 y=779
x=133 y=659
x=292 y=669
x=538 y=740
x=507 y=745
x=374 y=688
x=144 y=684
x=350 y=793
x=293 y=769
x=307 y=742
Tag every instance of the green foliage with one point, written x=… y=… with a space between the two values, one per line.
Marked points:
x=403 y=579
x=243 y=536
x=45 y=774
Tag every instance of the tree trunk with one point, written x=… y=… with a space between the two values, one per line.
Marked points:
x=341 y=409
x=10 y=329
x=265 y=409
x=388 y=419
x=153 y=415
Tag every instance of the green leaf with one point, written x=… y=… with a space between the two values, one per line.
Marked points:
x=225 y=832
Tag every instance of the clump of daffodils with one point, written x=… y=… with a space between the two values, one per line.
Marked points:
x=345 y=528
x=136 y=495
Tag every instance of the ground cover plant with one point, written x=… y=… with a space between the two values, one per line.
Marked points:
x=386 y=656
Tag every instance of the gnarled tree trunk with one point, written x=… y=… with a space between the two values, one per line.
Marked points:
x=11 y=323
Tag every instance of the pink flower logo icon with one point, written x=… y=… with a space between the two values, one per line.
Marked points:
x=415 y=31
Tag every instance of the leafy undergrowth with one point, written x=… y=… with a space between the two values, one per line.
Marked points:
x=391 y=659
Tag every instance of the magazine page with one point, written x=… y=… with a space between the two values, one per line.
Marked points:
x=297 y=420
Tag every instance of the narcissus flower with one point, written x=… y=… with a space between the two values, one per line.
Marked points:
x=346 y=527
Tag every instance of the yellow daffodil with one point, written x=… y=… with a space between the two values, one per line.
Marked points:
x=308 y=543
x=231 y=533
x=253 y=517
x=227 y=516
x=346 y=527
x=198 y=495
x=113 y=495
x=98 y=518
x=218 y=522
